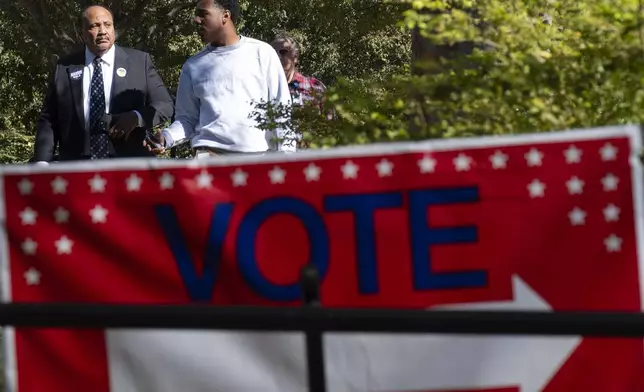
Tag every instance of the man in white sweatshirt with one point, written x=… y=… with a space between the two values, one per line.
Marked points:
x=220 y=87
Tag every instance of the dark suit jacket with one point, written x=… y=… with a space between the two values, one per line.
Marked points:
x=62 y=120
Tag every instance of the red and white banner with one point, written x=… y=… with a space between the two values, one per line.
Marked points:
x=545 y=222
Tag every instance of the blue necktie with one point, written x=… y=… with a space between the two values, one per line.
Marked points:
x=98 y=135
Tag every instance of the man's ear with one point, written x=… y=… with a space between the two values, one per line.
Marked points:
x=225 y=17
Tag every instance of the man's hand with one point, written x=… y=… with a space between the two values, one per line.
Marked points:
x=124 y=125
x=155 y=143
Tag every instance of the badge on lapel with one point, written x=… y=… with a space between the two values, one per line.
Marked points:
x=76 y=74
x=121 y=72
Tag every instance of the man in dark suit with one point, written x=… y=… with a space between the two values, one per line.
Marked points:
x=100 y=101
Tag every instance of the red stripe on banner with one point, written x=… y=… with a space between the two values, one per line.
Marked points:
x=509 y=389
x=607 y=365
x=61 y=360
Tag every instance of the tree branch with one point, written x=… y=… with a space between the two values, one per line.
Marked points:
x=133 y=18
x=168 y=16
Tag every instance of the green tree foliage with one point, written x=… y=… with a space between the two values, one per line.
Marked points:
x=353 y=39
x=17 y=93
x=497 y=67
x=15 y=144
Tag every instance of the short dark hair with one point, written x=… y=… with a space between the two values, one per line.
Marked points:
x=230 y=5
x=83 y=15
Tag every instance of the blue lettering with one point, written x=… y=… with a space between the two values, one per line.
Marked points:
x=423 y=237
x=247 y=233
x=199 y=288
x=363 y=207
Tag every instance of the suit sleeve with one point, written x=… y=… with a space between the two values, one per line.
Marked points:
x=47 y=127
x=160 y=106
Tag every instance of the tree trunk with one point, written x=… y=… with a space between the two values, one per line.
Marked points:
x=426 y=53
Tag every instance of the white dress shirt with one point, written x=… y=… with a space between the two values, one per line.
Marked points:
x=107 y=67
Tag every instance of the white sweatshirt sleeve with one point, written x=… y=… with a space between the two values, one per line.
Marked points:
x=186 y=111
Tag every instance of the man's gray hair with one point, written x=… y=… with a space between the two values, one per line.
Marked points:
x=283 y=36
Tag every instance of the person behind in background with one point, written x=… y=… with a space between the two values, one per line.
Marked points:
x=100 y=100
x=303 y=88
x=220 y=87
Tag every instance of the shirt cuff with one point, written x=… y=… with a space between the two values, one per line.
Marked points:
x=167 y=139
x=288 y=146
x=140 y=124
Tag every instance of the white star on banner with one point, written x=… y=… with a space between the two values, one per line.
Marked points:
x=608 y=152
x=98 y=214
x=204 y=180
x=577 y=216
x=133 y=183
x=312 y=172
x=385 y=168
x=29 y=246
x=350 y=170
x=28 y=216
x=64 y=245
x=534 y=157
x=611 y=213
x=427 y=164
x=59 y=185
x=610 y=182
x=25 y=187
x=239 y=178
x=462 y=162
x=613 y=243
x=536 y=188
x=61 y=215
x=166 y=181
x=499 y=160
x=575 y=186
x=277 y=175
x=97 y=184
x=32 y=277
x=573 y=155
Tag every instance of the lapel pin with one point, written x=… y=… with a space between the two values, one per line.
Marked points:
x=121 y=72
x=76 y=74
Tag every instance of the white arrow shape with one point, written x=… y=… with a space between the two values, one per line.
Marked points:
x=170 y=361
x=387 y=362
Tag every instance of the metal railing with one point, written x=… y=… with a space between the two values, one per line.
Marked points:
x=314 y=320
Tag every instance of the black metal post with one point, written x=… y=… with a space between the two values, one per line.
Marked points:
x=310 y=284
